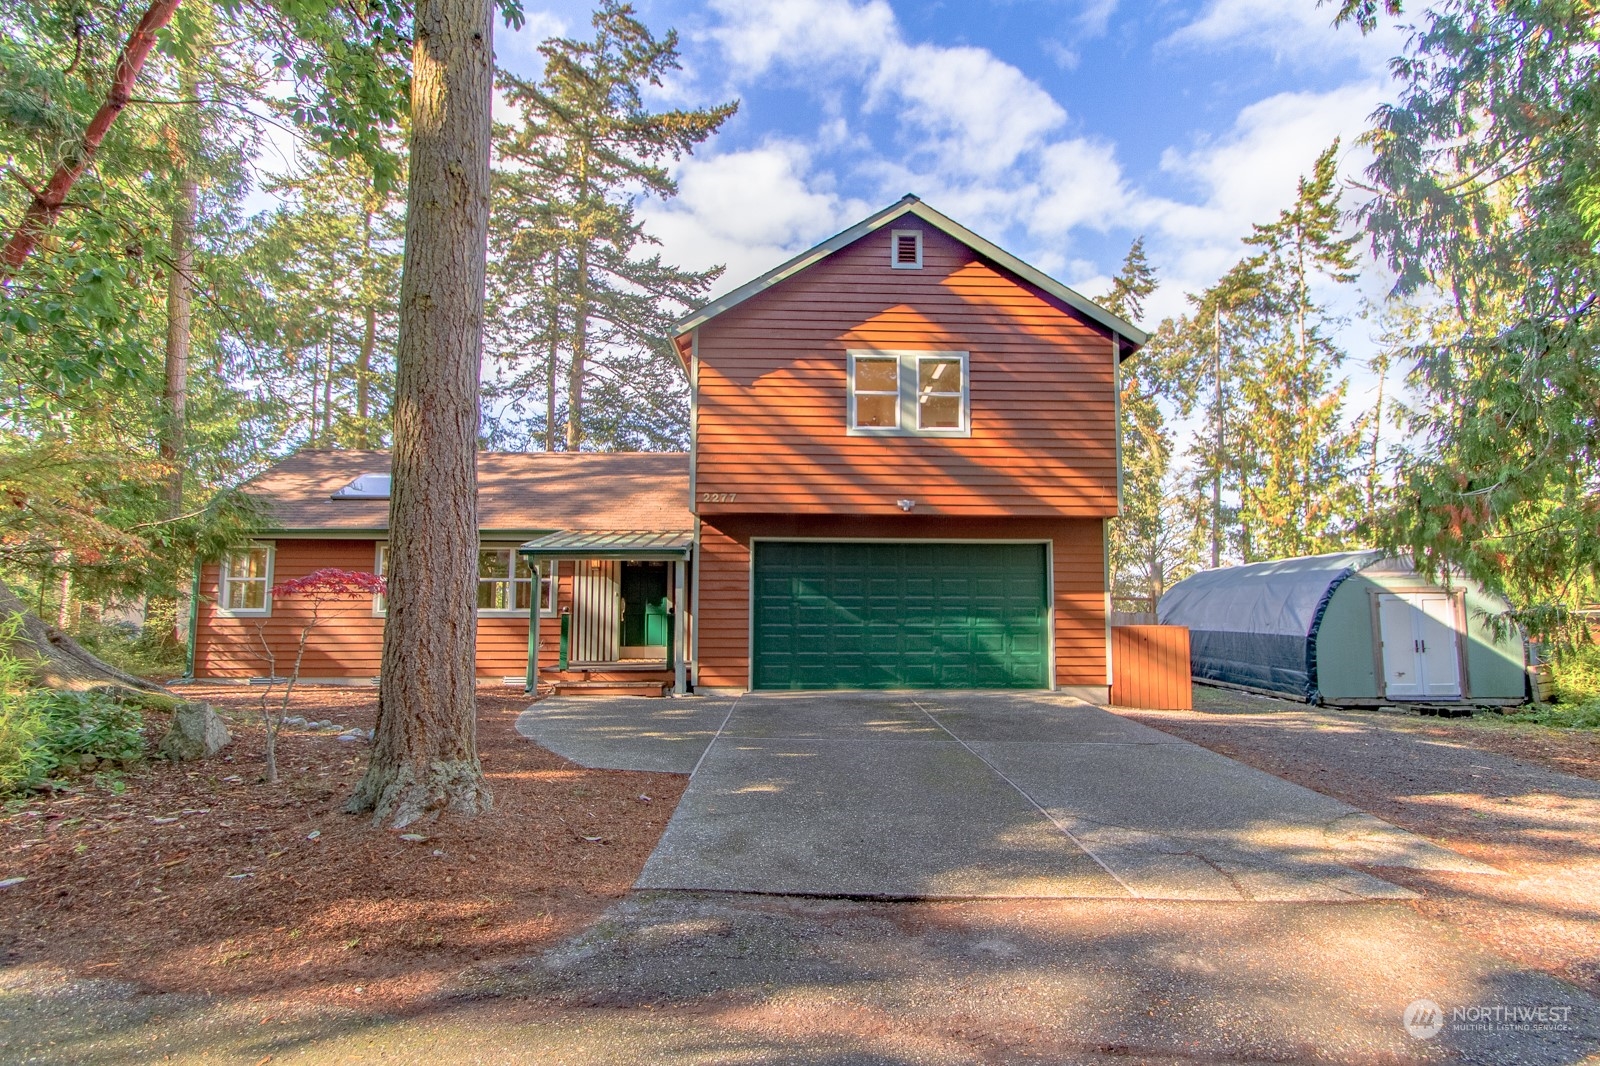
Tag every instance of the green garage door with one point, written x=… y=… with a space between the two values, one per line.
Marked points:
x=900 y=615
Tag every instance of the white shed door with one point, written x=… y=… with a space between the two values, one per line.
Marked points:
x=1420 y=658
x=1441 y=661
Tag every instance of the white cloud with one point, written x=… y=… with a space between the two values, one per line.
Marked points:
x=518 y=51
x=978 y=113
x=1245 y=176
x=962 y=107
x=749 y=210
x=759 y=34
x=1081 y=185
x=1096 y=16
x=1297 y=30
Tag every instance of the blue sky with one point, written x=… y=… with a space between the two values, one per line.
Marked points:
x=1061 y=129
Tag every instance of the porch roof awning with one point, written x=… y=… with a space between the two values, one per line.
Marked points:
x=611 y=544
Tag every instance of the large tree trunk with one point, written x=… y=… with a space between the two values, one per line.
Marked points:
x=54 y=658
x=47 y=202
x=425 y=754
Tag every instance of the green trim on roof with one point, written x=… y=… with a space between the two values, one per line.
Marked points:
x=910 y=205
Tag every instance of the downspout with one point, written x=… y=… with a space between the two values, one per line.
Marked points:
x=694 y=457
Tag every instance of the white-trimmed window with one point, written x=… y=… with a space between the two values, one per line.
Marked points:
x=244 y=586
x=505 y=582
x=874 y=392
x=380 y=567
x=941 y=392
x=905 y=249
x=922 y=394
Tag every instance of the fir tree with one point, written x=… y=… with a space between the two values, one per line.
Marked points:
x=571 y=259
x=1148 y=539
x=1297 y=493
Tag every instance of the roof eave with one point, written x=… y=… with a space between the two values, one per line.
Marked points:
x=910 y=205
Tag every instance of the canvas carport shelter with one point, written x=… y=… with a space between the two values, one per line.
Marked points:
x=1353 y=628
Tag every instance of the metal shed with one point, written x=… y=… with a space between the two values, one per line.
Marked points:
x=1348 y=628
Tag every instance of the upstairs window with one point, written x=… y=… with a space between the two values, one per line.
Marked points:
x=905 y=249
x=246 y=581
x=941 y=392
x=876 y=394
x=924 y=394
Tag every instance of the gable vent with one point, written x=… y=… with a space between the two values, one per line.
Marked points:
x=905 y=249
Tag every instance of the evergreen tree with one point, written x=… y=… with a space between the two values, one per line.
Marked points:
x=1486 y=175
x=1295 y=456
x=319 y=341
x=570 y=270
x=1149 y=538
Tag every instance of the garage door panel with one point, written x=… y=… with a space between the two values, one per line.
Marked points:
x=900 y=615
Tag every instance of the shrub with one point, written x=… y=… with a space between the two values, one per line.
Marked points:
x=45 y=732
x=1576 y=673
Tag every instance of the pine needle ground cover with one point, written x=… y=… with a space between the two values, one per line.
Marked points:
x=199 y=878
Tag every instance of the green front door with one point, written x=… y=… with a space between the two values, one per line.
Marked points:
x=900 y=615
x=646 y=614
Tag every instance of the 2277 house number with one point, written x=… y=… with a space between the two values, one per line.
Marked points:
x=718 y=497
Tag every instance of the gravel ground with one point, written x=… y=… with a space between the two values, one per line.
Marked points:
x=690 y=978
x=1500 y=792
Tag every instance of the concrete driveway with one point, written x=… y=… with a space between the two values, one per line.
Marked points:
x=973 y=795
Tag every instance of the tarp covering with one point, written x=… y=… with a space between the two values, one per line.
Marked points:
x=1255 y=625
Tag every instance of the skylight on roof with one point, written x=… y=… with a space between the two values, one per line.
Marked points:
x=365 y=487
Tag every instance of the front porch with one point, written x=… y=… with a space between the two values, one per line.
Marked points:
x=621 y=627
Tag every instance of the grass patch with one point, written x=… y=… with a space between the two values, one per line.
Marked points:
x=1584 y=715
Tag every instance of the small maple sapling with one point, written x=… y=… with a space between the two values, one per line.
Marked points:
x=317 y=589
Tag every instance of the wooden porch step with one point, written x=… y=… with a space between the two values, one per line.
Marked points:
x=612 y=688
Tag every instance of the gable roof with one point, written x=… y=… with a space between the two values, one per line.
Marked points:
x=911 y=205
x=518 y=492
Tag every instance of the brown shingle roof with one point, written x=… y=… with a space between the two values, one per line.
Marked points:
x=517 y=491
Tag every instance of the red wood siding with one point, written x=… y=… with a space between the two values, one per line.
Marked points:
x=1150 y=665
x=772 y=400
x=724 y=567
x=348 y=643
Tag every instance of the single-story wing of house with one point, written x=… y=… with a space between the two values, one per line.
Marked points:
x=601 y=543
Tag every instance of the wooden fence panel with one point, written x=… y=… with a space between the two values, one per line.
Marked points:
x=1150 y=668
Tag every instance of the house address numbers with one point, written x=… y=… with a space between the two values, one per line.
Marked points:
x=718 y=497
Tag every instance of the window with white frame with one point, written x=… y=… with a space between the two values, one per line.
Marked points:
x=505 y=582
x=875 y=392
x=909 y=394
x=380 y=567
x=941 y=392
x=245 y=582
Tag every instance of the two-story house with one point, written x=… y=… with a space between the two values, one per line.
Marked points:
x=904 y=455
